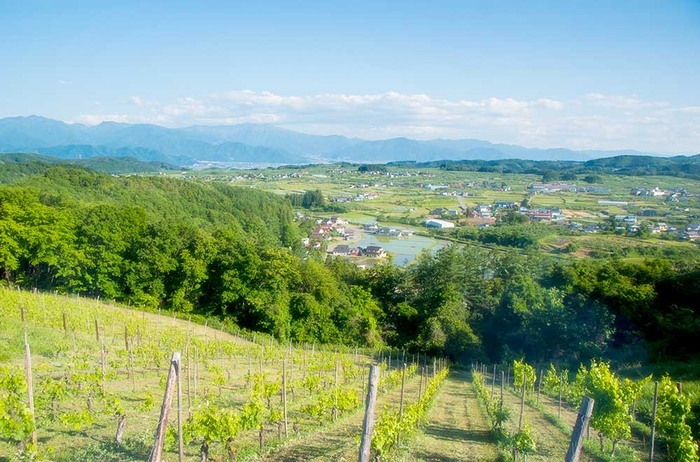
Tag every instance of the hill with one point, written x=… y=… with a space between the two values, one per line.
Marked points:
x=16 y=163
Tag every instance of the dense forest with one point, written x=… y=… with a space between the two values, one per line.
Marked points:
x=218 y=250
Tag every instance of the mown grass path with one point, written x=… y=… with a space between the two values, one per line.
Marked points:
x=456 y=429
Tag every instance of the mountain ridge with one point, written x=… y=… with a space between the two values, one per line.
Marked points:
x=261 y=143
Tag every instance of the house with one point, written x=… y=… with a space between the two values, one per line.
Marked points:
x=338 y=221
x=439 y=211
x=371 y=228
x=540 y=215
x=340 y=249
x=375 y=251
x=659 y=228
x=504 y=205
x=484 y=211
x=318 y=234
x=630 y=220
x=439 y=224
x=546 y=188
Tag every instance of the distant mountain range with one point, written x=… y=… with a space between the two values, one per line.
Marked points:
x=250 y=143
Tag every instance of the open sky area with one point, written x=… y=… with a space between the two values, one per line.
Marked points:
x=594 y=74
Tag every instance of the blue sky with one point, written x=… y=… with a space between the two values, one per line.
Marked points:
x=594 y=74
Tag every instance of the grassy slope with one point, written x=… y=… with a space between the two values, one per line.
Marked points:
x=58 y=355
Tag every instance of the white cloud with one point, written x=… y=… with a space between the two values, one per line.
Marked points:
x=595 y=121
x=550 y=104
x=618 y=101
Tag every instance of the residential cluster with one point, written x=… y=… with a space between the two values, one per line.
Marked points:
x=355 y=198
x=372 y=251
x=671 y=194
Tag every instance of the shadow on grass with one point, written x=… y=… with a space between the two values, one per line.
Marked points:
x=109 y=452
x=434 y=457
x=442 y=432
x=309 y=450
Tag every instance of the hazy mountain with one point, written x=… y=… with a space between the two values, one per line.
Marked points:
x=141 y=141
x=250 y=143
x=35 y=131
x=493 y=151
x=393 y=149
x=274 y=137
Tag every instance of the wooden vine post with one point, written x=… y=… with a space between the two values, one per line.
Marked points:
x=157 y=450
x=335 y=392
x=30 y=387
x=580 y=428
x=403 y=385
x=500 y=406
x=561 y=386
x=493 y=381
x=180 y=442
x=284 y=396
x=188 y=366
x=653 y=420
x=539 y=386
x=420 y=384
x=103 y=361
x=522 y=404
x=368 y=424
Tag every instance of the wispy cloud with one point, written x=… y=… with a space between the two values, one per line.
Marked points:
x=594 y=121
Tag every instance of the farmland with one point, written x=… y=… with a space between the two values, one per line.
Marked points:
x=662 y=207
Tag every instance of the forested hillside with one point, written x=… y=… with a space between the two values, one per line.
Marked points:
x=232 y=252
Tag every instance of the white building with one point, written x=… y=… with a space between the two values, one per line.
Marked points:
x=433 y=223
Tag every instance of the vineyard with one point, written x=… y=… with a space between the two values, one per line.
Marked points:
x=532 y=415
x=99 y=372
